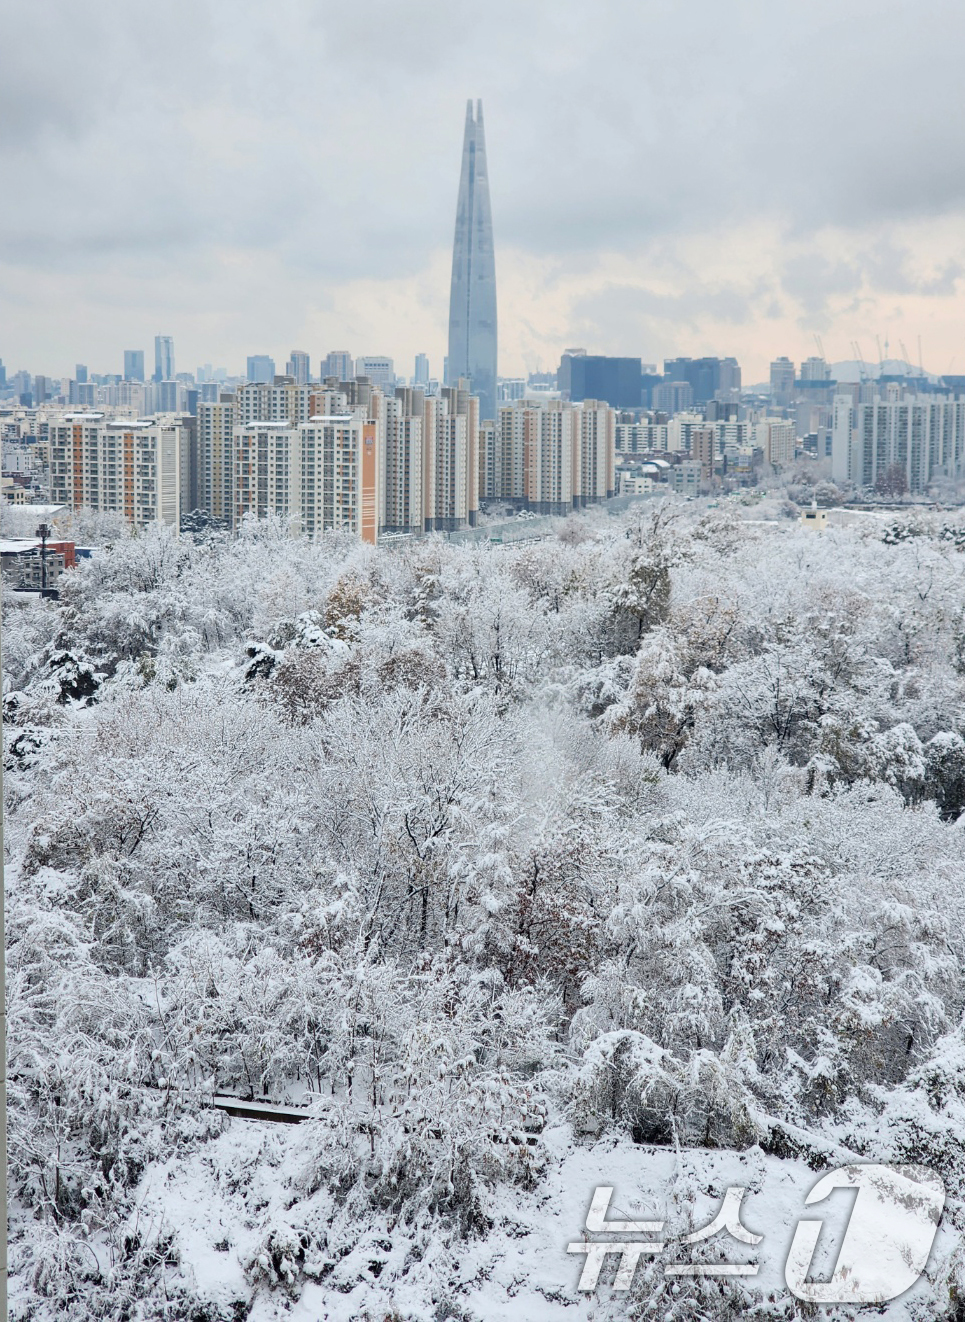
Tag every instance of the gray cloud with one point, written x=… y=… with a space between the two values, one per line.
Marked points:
x=640 y=317
x=813 y=281
x=326 y=135
x=891 y=267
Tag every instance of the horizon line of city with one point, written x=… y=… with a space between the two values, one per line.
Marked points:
x=625 y=382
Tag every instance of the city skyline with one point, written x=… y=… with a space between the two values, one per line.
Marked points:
x=783 y=188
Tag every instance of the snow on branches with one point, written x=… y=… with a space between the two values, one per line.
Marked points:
x=654 y=832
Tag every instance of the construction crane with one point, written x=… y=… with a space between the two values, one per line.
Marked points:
x=905 y=357
x=856 y=350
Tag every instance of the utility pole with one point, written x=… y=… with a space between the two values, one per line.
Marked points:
x=43 y=532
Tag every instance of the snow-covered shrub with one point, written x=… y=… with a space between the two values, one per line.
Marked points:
x=653 y=830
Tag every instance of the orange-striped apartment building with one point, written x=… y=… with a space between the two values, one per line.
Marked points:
x=130 y=467
x=317 y=476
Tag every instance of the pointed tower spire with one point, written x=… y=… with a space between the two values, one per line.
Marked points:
x=472 y=296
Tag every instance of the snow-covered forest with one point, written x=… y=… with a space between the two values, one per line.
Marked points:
x=626 y=850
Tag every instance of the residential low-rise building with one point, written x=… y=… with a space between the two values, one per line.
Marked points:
x=684 y=478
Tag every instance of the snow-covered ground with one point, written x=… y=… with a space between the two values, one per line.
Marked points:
x=520 y=1271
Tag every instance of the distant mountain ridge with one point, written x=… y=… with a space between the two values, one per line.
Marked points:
x=851 y=370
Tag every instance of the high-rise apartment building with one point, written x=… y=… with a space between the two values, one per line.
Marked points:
x=320 y=475
x=775 y=437
x=594 y=466
x=260 y=367
x=402 y=423
x=134 y=365
x=450 y=471
x=169 y=397
x=904 y=443
x=510 y=388
x=41 y=390
x=298 y=366
x=634 y=438
x=215 y=456
x=133 y=395
x=782 y=382
x=277 y=400
x=263 y=454
x=127 y=467
x=504 y=447
x=549 y=455
x=703 y=450
x=163 y=358
x=529 y=456
x=472 y=295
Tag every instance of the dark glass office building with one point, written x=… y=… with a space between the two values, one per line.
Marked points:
x=618 y=381
x=705 y=376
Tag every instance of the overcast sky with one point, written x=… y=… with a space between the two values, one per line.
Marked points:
x=716 y=176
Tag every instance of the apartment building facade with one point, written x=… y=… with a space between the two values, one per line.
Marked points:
x=318 y=476
x=916 y=437
x=124 y=466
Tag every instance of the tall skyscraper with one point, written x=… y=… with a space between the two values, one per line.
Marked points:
x=298 y=366
x=815 y=369
x=134 y=365
x=339 y=363
x=260 y=368
x=472 y=297
x=709 y=378
x=421 y=377
x=782 y=382
x=163 y=358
